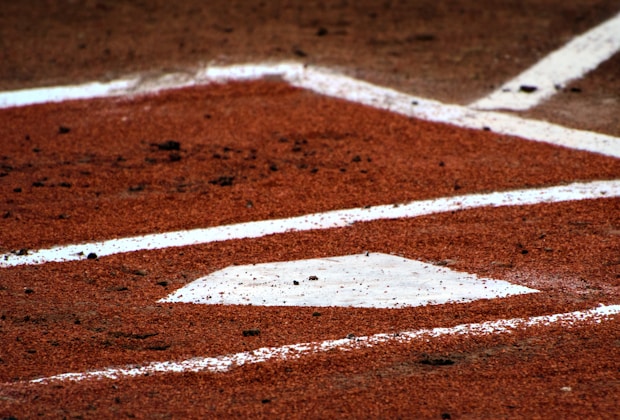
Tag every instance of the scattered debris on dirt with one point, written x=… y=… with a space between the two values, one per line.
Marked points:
x=436 y=362
x=169 y=145
x=251 y=333
x=223 y=181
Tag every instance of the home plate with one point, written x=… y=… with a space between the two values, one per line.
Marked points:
x=370 y=280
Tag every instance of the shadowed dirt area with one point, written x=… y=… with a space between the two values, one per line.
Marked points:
x=454 y=51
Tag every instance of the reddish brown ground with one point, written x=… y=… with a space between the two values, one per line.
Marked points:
x=87 y=311
x=289 y=152
x=107 y=177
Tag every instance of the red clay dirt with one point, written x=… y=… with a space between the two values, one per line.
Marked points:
x=93 y=170
x=90 y=170
x=101 y=169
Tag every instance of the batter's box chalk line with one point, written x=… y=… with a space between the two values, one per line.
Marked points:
x=551 y=74
x=327 y=82
x=316 y=221
x=220 y=364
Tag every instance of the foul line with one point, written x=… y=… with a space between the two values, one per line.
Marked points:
x=316 y=221
x=295 y=351
x=581 y=55
x=327 y=82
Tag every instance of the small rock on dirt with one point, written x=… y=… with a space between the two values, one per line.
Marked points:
x=169 y=145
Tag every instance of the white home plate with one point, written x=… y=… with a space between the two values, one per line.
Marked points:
x=365 y=280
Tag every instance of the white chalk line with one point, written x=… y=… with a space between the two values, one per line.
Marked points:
x=316 y=221
x=227 y=362
x=327 y=82
x=572 y=61
x=343 y=87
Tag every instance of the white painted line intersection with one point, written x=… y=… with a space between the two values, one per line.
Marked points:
x=327 y=82
x=339 y=86
x=317 y=221
x=220 y=364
